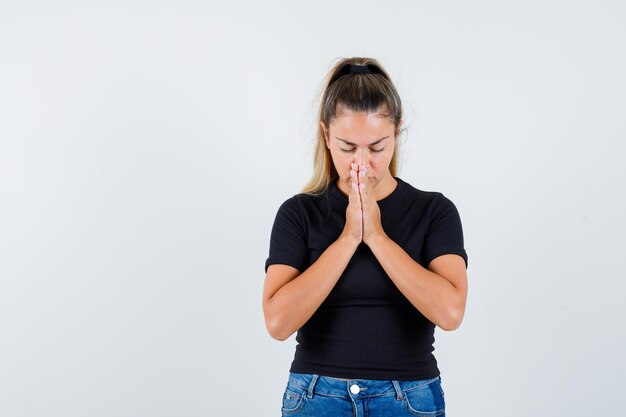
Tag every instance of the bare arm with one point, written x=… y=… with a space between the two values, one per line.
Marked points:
x=439 y=292
x=288 y=306
x=291 y=298
x=440 y=295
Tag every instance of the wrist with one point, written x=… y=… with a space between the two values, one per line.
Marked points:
x=375 y=239
x=349 y=241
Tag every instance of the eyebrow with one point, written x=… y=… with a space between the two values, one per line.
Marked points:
x=354 y=144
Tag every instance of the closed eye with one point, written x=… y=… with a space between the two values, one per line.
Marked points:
x=352 y=150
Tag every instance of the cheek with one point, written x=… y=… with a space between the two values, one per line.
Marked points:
x=378 y=159
x=342 y=163
x=379 y=163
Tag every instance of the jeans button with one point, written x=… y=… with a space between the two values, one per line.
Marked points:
x=355 y=389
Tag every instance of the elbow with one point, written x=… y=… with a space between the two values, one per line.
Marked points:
x=275 y=327
x=452 y=321
x=276 y=331
x=279 y=337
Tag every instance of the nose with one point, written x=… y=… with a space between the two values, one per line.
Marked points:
x=360 y=158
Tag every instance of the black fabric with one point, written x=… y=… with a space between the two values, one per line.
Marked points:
x=356 y=69
x=359 y=69
x=366 y=328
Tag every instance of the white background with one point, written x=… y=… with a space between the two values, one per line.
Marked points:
x=145 y=147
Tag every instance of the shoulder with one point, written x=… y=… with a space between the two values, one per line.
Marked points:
x=433 y=205
x=299 y=207
x=441 y=201
x=301 y=201
x=426 y=198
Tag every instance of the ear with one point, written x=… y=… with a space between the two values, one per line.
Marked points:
x=323 y=125
x=399 y=128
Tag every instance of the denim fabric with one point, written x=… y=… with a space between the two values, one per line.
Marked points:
x=308 y=395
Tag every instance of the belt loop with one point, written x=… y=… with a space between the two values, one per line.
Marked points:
x=396 y=385
x=312 y=384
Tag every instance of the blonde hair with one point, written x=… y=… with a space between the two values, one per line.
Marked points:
x=372 y=92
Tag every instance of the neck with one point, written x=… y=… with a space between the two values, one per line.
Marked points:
x=385 y=187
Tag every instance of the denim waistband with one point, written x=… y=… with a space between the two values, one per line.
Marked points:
x=333 y=387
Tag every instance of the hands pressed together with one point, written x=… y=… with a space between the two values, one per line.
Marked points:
x=363 y=214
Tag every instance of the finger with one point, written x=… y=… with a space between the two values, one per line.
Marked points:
x=353 y=177
x=355 y=167
x=363 y=183
x=354 y=193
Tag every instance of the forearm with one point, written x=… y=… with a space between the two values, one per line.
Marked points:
x=434 y=296
x=294 y=304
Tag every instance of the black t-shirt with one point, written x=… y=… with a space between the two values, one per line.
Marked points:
x=366 y=328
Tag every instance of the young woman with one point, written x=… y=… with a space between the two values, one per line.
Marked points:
x=363 y=265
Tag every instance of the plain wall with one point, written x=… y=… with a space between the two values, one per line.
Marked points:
x=145 y=147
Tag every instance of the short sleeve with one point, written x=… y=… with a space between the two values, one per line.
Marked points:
x=445 y=232
x=288 y=239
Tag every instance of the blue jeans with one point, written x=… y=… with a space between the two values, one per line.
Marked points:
x=310 y=395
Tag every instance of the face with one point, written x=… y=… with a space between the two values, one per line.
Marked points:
x=364 y=138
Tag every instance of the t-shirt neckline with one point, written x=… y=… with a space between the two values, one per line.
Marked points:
x=393 y=196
